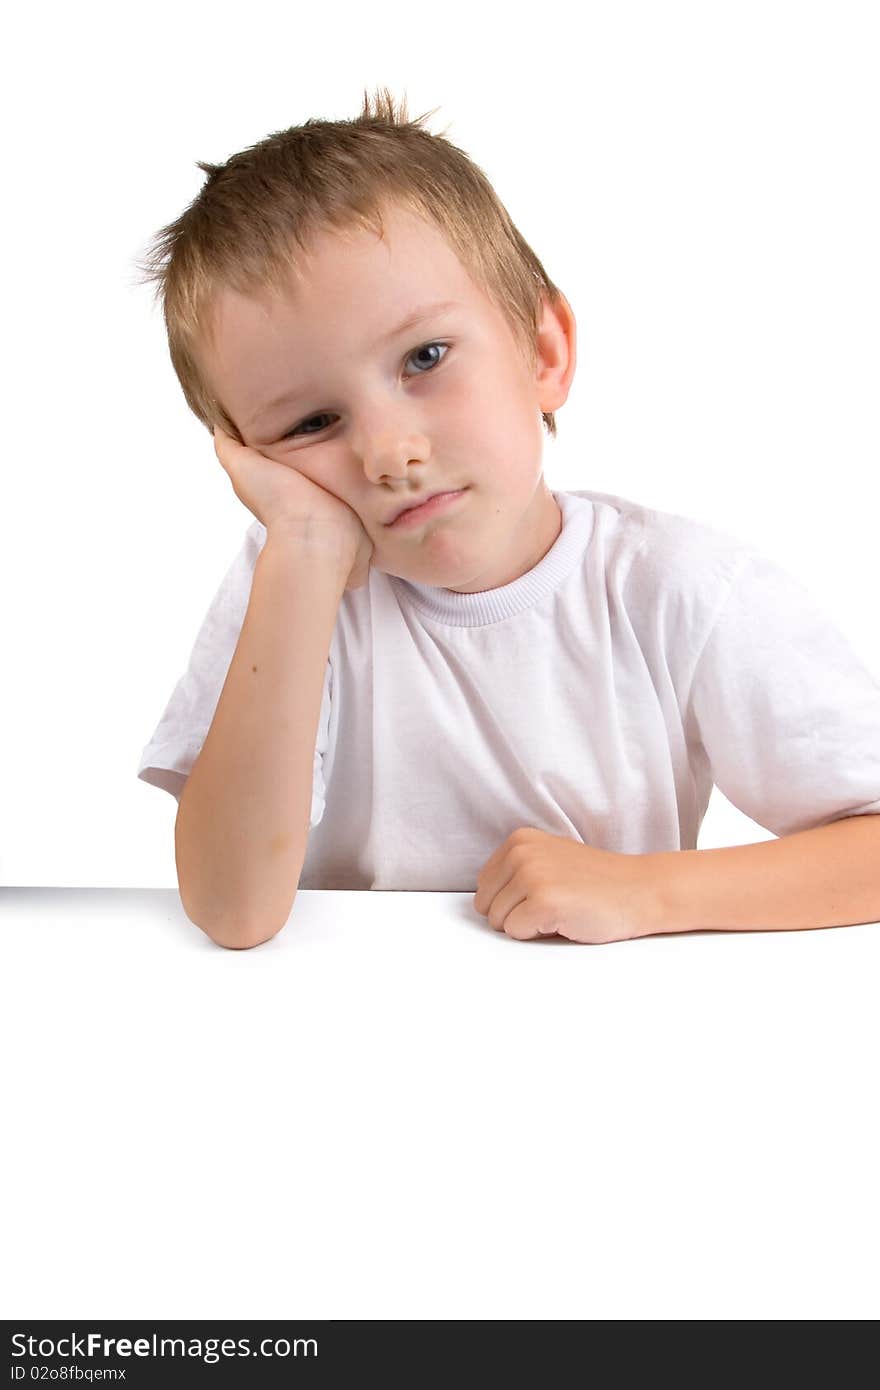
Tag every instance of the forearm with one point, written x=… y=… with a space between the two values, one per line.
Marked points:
x=243 y=818
x=825 y=877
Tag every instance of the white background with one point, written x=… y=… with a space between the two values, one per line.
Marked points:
x=700 y=179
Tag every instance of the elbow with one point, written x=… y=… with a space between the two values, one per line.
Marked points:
x=238 y=939
x=237 y=934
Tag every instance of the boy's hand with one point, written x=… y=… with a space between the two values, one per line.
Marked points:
x=537 y=884
x=281 y=497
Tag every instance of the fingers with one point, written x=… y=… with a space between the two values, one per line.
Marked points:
x=219 y=439
x=505 y=901
x=523 y=925
x=225 y=447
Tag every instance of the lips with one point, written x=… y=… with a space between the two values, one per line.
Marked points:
x=418 y=502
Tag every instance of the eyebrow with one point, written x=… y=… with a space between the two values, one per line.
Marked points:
x=425 y=311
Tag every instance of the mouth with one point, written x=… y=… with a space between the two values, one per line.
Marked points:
x=433 y=504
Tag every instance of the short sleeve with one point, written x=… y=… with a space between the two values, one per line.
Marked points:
x=177 y=740
x=788 y=715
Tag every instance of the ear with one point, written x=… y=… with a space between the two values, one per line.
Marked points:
x=556 y=353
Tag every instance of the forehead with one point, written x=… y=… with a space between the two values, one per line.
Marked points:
x=337 y=304
x=353 y=275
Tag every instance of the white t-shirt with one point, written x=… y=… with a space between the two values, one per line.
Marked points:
x=598 y=697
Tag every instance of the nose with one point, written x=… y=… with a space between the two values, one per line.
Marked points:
x=388 y=453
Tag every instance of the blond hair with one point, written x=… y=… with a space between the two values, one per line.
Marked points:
x=240 y=229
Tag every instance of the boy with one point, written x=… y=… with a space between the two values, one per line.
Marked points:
x=510 y=691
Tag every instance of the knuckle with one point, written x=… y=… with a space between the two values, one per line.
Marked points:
x=544 y=900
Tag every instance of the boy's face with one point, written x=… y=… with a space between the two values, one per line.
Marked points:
x=382 y=418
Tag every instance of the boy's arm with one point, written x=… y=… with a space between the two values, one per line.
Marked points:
x=243 y=818
x=825 y=877
x=539 y=884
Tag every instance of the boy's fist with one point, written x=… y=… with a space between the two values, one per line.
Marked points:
x=538 y=884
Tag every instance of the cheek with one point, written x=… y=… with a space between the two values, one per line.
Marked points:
x=465 y=396
x=494 y=406
x=324 y=467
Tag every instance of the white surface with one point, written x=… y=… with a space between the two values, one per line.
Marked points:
x=391 y=1111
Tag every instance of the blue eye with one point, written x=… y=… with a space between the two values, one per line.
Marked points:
x=426 y=347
